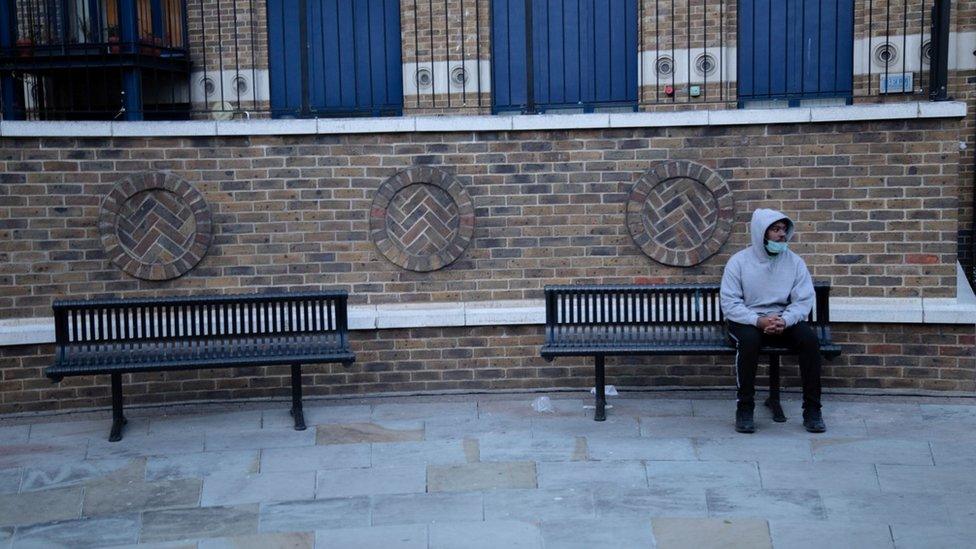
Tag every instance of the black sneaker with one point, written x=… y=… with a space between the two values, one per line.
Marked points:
x=744 y=422
x=813 y=421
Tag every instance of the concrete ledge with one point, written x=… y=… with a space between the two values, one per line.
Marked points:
x=480 y=123
x=29 y=331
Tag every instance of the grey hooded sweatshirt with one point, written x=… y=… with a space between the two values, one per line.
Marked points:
x=755 y=283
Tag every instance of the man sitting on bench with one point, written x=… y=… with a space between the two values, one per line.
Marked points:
x=767 y=294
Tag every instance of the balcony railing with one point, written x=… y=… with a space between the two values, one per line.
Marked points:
x=181 y=59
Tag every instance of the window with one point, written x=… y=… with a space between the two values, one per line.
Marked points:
x=811 y=60
x=583 y=55
x=334 y=57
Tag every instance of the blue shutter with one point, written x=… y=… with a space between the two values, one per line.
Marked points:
x=584 y=54
x=795 y=49
x=353 y=58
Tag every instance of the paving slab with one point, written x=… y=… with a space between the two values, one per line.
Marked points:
x=334 y=483
x=873 y=450
x=921 y=509
x=641 y=448
x=113 y=496
x=40 y=454
x=932 y=537
x=921 y=430
x=259 y=439
x=132 y=446
x=202 y=464
x=627 y=474
x=651 y=407
x=81 y=472
x=822 y=476
x=179 y=544
x=685 y=427
x=877 y=411
x=702 y=474
x=429 y=451
x=521 y=408
x=927 y=479
x=476 y=477
x=752 y=449
x=96 y=532
x=539 y=504
x=317 y=415
x=962 y=413
x=590 y=533
x=425 y=411
x=485 y=535
x=357 y=433
x=40 y=507
x=959 y=452
x=313 y=458
x=507 y=447
x=792 y=504
x=245 y=420
x=478 y=428
x=14 y=434
x=84 y=429
x=277 y=540
x=6 y=536
x=221 y=489
x=427 y=508
x=322 y=514
x=10 y=480
x=199 y=522
x=613 y=427
x=962 y=509
x=401 y=536
x=613 y=503
x=678 y=533
x=817 y=535
x=722 y=409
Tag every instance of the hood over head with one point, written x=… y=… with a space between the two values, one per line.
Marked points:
x=762 y=218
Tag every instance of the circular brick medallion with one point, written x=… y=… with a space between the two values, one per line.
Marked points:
x=680 y=213
x=155 y=226
x=422 y=219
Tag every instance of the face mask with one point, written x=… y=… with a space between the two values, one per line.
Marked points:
x=776 y=247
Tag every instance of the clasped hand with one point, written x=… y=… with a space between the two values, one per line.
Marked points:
x=771 y=324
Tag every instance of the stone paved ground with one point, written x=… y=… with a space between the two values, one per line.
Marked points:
x=664 y=470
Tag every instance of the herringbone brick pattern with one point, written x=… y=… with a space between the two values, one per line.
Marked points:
x=422 y=219
x=156 y=226
x=680 y=214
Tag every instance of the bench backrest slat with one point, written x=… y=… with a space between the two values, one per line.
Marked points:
x=228 y=316
x=686 y=311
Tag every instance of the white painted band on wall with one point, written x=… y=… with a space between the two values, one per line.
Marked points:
x=444 y=77
x=479 y=123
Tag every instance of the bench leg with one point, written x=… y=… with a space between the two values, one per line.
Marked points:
x=773 y=402
x=118 y=420
x=601 y=393
x=296 y=397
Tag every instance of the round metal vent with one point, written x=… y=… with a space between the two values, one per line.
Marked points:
x=209 y=87
x=665 y=66
x=240 y=84
x=886 y=54
x=424 y=78
x=705 y=64
x=459 y=76
x=927 y=51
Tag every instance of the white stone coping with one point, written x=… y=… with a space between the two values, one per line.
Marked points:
x=25 y=331
x=480 y=123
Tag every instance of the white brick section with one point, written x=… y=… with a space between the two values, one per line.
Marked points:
x=479 y=123
x=28 y=331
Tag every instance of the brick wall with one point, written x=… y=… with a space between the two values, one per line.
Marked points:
x=500 y=358
x=875 y=203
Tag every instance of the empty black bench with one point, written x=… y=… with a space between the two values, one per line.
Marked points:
x=117 y=336
x=682 y=319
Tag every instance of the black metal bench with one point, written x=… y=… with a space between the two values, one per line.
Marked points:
x=120 y=336
x=684 y=319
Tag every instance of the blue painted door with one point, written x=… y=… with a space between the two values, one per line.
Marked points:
x=584 y=54
x=334 y=57
x=795 y=49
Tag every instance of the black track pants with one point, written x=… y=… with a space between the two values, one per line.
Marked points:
x=748 y=340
